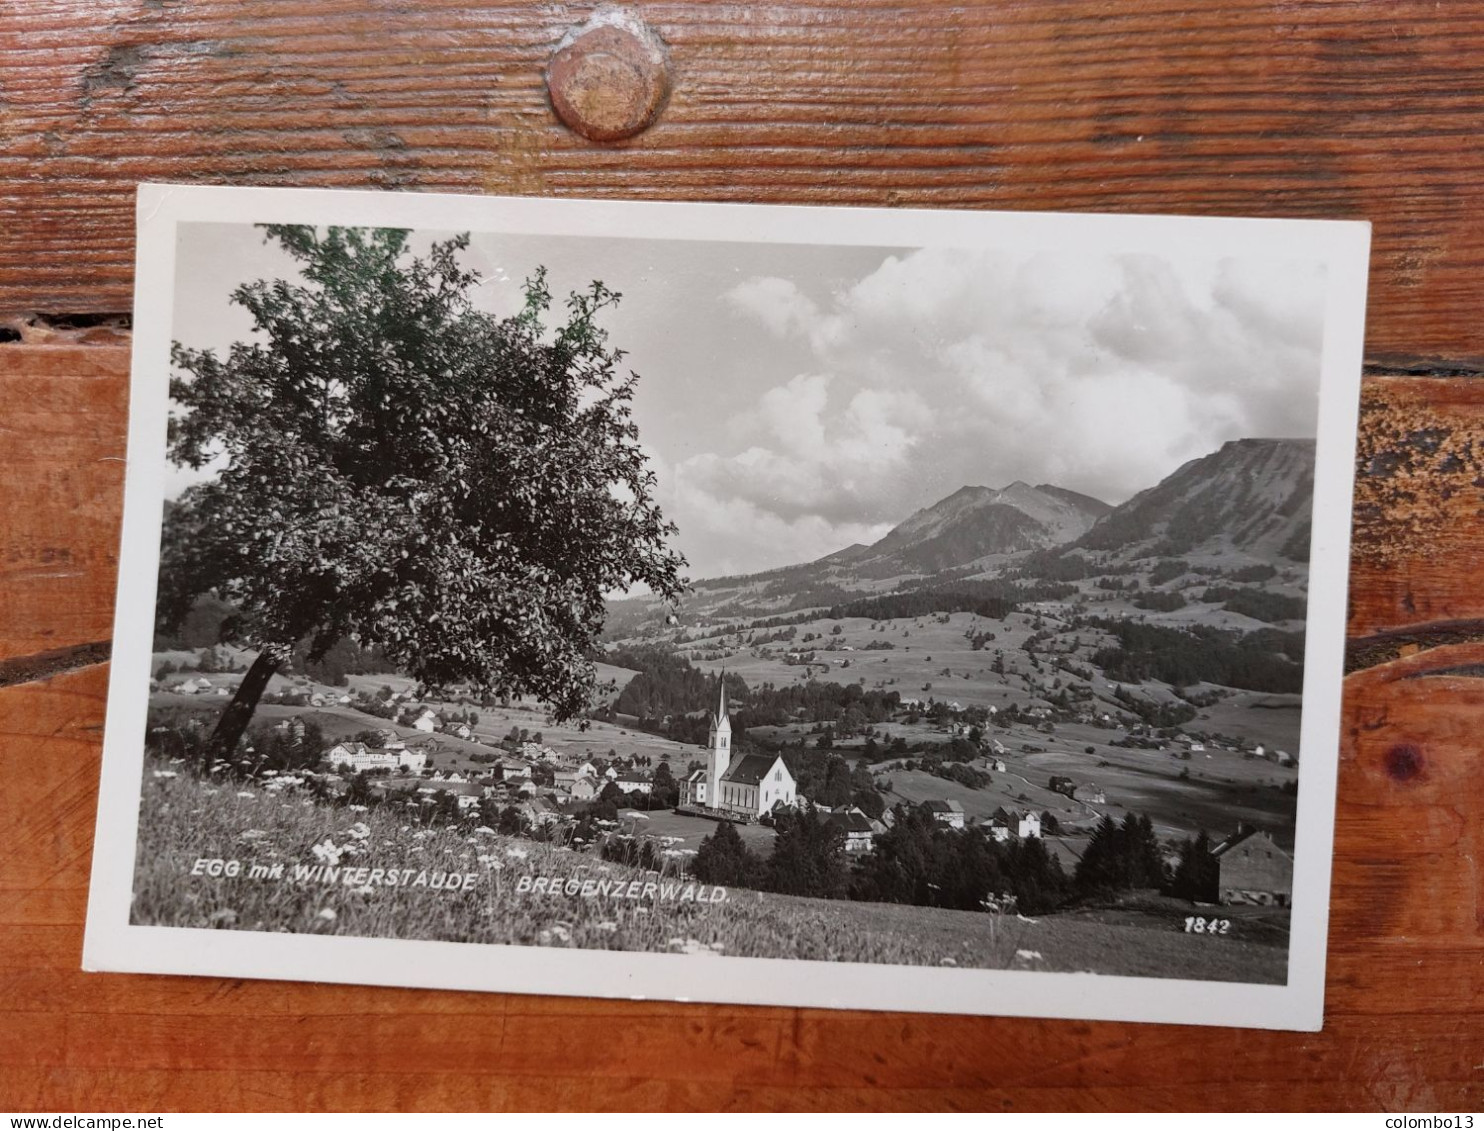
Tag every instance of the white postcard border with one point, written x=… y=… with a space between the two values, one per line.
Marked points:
x=112 y=943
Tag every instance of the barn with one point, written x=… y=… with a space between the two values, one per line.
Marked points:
x=1253 y=869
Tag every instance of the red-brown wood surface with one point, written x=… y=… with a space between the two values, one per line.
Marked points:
x=1406 y=958
x=1332 y=108
x=1348 y=109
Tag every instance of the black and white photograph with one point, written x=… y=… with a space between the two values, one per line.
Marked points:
x=868 y=608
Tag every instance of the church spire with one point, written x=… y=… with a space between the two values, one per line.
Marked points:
x=721 y=711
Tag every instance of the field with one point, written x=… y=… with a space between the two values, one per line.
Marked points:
x=185 y=819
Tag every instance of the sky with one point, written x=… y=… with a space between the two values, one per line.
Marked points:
x=796 y=399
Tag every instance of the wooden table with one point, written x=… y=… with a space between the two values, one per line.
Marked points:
x=1335 y=108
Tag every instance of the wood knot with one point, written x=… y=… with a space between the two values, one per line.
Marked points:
x=1404 y=762
x=610 y=77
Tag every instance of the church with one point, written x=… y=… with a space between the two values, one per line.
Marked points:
x=748 y=785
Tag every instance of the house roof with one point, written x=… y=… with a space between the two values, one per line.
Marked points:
x=949 y=806
x=749 y=769
x=1242 y=834
x=852 y=821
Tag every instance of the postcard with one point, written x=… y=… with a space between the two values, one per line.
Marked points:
x=876 y=608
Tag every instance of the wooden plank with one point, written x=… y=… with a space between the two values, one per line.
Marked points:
x=1405 y=984
x=1406 y=965
x=63 y=428
x=1232 y=107
x=1417 y=550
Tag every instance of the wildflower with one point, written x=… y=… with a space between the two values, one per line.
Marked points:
x=516 y=853
x=364 y=889
x=485 y=829
x=607 y=925
x=360 y=830
x=1028 y=955
x=246 y=794
x=250 y=834
x=948 y=962
x=327 y=914
x=327 y=853
x=359 y=808
x=166 y=774
x=223 y=918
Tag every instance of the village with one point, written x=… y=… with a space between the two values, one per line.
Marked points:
x=479 y=765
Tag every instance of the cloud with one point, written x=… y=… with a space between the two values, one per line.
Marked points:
x=945 y=367
x=817 y=456
x=777 y=303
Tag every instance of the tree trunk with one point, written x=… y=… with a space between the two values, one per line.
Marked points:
x=240 y=710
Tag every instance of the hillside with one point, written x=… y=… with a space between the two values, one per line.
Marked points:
x=977 y=522
x=1245 y=508
x=1251 y=497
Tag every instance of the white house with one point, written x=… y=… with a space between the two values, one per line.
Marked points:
x=746 y=784
x=414 y=760
x=359 y=757
x=427 y=722
x=631 y=781
x=859 y=831
x=949 y=813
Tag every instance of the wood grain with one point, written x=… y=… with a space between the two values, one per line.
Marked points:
x=1402 y=1030
x=1334 y=108
x=1417 y=555
x=1406 y=960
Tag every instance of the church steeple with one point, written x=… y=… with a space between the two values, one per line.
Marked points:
x=720 y=755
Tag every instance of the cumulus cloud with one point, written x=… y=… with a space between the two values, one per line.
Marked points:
x=778 y=304
x=947 y=367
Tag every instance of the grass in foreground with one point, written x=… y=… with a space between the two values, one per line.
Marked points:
x=184 y=819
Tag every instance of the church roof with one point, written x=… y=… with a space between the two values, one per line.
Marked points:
x=749 y=769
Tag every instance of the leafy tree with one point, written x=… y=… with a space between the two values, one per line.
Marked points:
x=360 y=792
x=511 y=822
x=665 y=789
x=404 y=470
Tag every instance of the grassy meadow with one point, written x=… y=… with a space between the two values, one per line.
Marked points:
x=270 y=824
